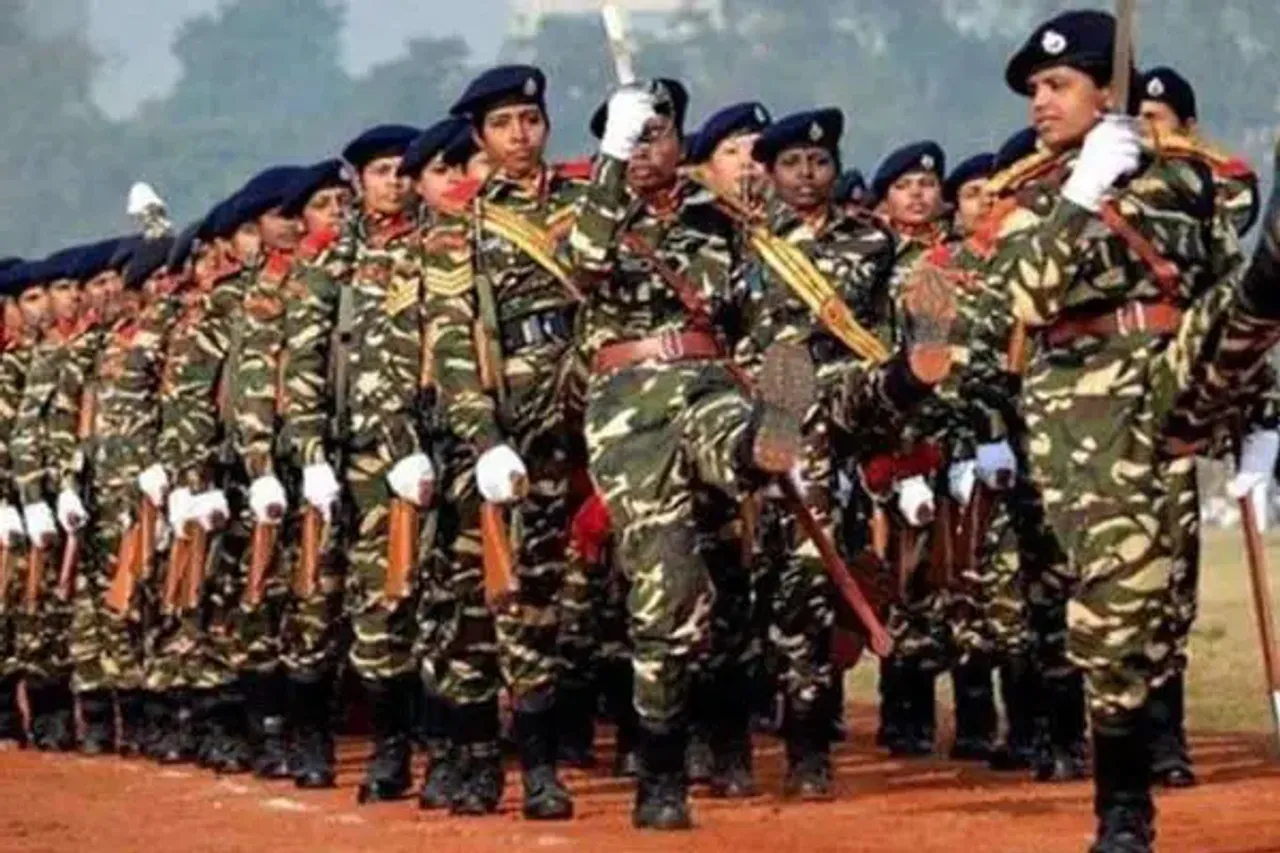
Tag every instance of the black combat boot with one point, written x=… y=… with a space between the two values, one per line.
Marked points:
x=99 y=715
x=730 y=740
x=267 y=705
x=889 y=731
x=916 y=704
x=808 y=734
x=618 y=684
x=132 y=721
x=52 y=715
x=441 y=778
x=1170 y=761
x=975 y=711
x=174 y=741
x=1062 y=754
x=310 y=717
x=10 y=718
x=207 y=733
x=545 y=797
x=480 y=781
x=662 y=795
x=388 y=775
x=1019 y=685
x=699 y=762
x=157 y=720
x=576 y=717
x=1122 y=786
x=230 y=753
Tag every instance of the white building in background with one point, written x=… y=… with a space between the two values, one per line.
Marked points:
x=526 y=15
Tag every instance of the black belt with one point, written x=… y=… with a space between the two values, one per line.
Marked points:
x=538 y=329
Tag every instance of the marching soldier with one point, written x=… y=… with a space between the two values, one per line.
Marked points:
x=1107 y=276
x=721 y=150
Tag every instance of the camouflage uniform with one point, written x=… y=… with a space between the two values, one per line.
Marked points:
x=14 y=358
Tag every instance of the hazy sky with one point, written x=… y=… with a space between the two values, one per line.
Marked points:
x=134 y=37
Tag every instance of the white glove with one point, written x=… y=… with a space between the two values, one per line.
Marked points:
x=181 y=509
x=961 y=478
x=996 y=464
x=11 y=531
x=320 y=487
x=630 y=109
x=410 y=477
x=1258 y=454
x=71 y=511
x=41 y=528
x=154 y=482
x=267 y=499
x=496 y=468
x=1111 y=149
x=210 y=509
x=915 y=501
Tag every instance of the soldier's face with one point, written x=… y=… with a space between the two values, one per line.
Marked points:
x=324 y=209
x=972 y=203
x=246 y=243
x=1065 y=105
x=1159 y=117
x=102 y=293
x=206 y=262
x=655 y=163
x=34 y=305
x=804 y=177
x=64 y=299
x=385 y=191
x=731 y=169
x=914 y=199
x=437 y=178
x=279 y=232
x=514 y=138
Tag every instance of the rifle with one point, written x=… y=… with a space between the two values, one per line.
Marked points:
x=261 y=549
x=402 y=548
x=67 y=569
x=306 y=570
x=35 y=574
x=1262 y=605
x=6 y=556
x=197 y=565
x=125 y=580
x=175 y=572
x=501 y=584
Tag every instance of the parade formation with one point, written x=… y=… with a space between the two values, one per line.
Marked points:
x=670 y=437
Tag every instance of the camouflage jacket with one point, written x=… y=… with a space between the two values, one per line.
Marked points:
x=458 y=253
x=1235 y=181
x=257 y=413
x=14 y=361
x=910 y=247
x=628 y=299
x=379 y=259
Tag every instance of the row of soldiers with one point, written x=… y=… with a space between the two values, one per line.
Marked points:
x=649 y=429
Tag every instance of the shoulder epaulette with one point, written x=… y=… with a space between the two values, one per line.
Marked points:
x=576 y=170
x=1022 y=172
x=1222 y=163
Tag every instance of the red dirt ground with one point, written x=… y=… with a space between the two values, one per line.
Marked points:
x=57 y=803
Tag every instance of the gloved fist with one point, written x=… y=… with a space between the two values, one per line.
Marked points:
x=181 y=509
x=915 y=501
x=320 y=487
x=630 y=109
x=154 y=483
x=267 y=499
x=997 y=465
x=71 y=511
x=11 y=532
x=1111 y=149
x=1258 y=454
x=961 y=478
x=41 y=527
x=210 y=509
x=500 y=474
x=413 y=478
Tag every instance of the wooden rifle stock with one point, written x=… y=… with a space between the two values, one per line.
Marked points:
x=35 y=574
x=500 y=582
x=1258 y=580
x=125 y=578
x=175 y=572
x=148 y=515
x=262 y=548
x=197 y=555
x=402 y=548
x=6 y=557
x=942 y=545
x=67 y=569
x=307 y=569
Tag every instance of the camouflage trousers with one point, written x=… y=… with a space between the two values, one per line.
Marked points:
x=10 y=594
x=519 y=645
x=42 y=632
x=655 y=434
x=106 y=648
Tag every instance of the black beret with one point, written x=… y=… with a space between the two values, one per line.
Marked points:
x=1169 y=87
x=15 y=278
x=506 y=84
x=221 y=220
x=149 y=256
x=308 y=182
x=812 y=128
x=1083 y=40
x=1021 y=144
x=434 y=140
x=265 y=191
x=385 y=140
x=747 y=117
x=6 y=263
x=91 y=259
x=671 y=99
x=124 y=250
x=64 y=263
x=925 y=156
x=182 y=247
x=851 y=188
x=978 y=166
